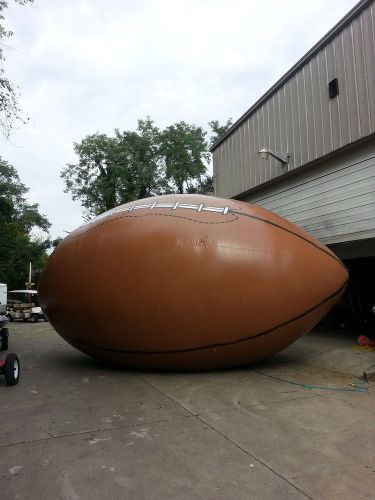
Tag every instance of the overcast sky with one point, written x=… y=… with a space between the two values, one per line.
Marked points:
x=87 y=65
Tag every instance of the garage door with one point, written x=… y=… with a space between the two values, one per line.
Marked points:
x=334 y=201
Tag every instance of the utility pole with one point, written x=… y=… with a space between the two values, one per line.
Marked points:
x=29 y=285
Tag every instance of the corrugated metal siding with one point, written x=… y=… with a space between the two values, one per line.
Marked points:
x=300 y=119
x=335 y=201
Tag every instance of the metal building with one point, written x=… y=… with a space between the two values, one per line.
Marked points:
x=322 y=114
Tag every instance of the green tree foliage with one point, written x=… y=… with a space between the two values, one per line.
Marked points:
x=141 y=163
x=218 y=130
x=115 y=170
x=145 y=172
x=94 y=179
x=9 y=110
x=184 y=150
x=17 y=220
x=204 y=186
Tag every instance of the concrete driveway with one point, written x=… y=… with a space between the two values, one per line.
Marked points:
x=74 y=429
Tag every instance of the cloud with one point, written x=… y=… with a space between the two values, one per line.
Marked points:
x=86 y=66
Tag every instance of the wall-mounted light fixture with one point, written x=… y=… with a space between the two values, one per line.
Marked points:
x=265 y=153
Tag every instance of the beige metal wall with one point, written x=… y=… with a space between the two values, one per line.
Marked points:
x=299 y=118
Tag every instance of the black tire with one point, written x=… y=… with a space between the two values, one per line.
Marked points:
x=10 y=317
x=34 y=318
x=12 y=369
x=4 y=334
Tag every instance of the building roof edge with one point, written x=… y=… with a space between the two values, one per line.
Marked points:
x=357 y=9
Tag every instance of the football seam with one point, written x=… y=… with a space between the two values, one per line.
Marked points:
x=218 y=345
x=156 y=215
x=237 y=216
x=260 y=219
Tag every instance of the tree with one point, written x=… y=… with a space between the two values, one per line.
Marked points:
x=92 y=180
x=143 y=157
x=205 y=185
x=9 y=110
x=115 y=170
x=217 y=130
x=17 y=220
x=184 y=149
x=138 y=164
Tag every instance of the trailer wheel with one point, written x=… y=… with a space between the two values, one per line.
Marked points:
x=12 y=369
x=4 y=334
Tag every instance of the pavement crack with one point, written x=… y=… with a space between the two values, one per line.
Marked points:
x=167 y=396
x=254 y=457
x=90 y=431
x=233 y=443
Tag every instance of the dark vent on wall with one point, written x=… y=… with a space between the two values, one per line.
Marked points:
x=333 y=88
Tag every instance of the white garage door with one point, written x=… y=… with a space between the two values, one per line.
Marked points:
x=334 y=201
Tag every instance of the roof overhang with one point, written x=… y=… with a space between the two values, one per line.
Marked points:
x=306 y=58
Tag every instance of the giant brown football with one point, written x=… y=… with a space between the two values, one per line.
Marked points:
x=188 y=282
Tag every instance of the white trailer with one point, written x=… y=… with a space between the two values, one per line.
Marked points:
x=3 y=298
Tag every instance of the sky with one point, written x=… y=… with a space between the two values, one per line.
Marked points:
x=87 y=66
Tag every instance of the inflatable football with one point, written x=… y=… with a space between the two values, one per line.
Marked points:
x=188 y=282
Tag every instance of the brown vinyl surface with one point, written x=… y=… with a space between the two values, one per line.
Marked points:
x=167 y=283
